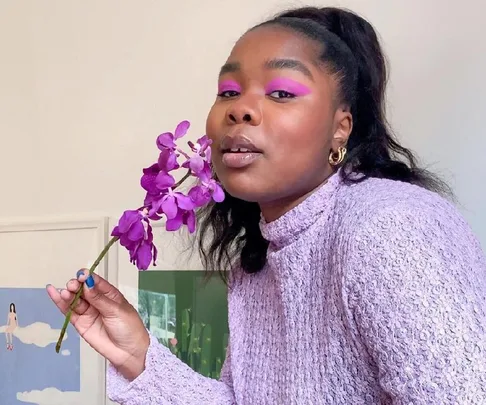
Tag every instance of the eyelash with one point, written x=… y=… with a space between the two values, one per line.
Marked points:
x=222 y=94
x=282 y=93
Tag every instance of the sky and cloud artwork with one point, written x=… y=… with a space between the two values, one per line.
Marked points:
x=31 y=371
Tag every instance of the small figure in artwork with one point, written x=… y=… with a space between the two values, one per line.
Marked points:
x=12 y=324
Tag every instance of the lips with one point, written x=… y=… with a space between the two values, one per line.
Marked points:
x=238 y=144
x=239 y=151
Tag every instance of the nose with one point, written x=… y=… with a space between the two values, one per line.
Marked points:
x=243 y=111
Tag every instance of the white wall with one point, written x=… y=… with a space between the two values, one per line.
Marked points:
x=86 y=86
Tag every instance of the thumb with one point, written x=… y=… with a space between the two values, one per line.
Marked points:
x=102 y=296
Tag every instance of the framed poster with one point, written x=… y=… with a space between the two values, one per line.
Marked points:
x=188 y=314
x=34 y=253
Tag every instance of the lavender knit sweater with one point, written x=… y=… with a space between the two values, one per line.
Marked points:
x=372 y=294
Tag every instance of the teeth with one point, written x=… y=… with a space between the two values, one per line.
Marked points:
x=241 y=150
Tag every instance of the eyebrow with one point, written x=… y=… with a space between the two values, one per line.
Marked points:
x=273 y=64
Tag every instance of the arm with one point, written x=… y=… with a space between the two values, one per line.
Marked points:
x=416 y=288
x=167 y=380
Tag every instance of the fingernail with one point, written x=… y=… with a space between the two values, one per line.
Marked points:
x=47 y=285
x=90 y=281
x=79 y=273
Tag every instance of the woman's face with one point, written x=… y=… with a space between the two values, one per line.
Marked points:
x=275 y=119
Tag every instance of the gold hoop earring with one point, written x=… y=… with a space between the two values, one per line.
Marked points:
x=336 y=158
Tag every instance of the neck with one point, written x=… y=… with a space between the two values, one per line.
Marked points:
x=273 y=210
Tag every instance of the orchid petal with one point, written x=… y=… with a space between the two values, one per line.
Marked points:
x=148 y=179
x=218 y=193
x=169 y=207
x=136 y=232
x=144 y=256
x=175 y=223
x=128 y=218
x=191 y=221
x=204 y=142
x=184 y=202
x=207 y=153
x=116 y=231
x=181 y=129
x=167 y=160
x=196 y=164
x=199 y=195
x=125 y=241
x=166 y=140
x=164 y=181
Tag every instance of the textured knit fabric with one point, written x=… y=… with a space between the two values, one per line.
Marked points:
x=373 y=293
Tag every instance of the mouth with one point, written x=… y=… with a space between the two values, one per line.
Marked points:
x=238 y=151
x=238 y=143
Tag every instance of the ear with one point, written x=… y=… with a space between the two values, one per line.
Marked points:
x=343 y=125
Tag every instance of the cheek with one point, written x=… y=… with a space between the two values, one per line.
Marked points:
x=301 y=134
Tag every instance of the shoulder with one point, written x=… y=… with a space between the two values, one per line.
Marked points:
x=384 y=220
x=399 y=231
x=374 y=202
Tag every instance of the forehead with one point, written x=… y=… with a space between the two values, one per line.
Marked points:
x=273 y=42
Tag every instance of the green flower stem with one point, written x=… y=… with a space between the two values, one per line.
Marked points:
x=80 y=290
x=91 y=271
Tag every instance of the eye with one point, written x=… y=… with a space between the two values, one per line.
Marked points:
x=281 y=94
x=228 y=94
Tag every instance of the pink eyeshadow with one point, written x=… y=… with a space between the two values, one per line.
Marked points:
x=289 y=85
x=228 y=85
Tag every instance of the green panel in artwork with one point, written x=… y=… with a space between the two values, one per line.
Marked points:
x=188 y=314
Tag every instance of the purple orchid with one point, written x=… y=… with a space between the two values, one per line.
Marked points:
x=183 y=217
x=202 y=155
x=167 y=139
x=135 y=234
x=169 y=203
x=162 y=199
x=206 y=189
x=134 y=230
x=168 y=160
x=156 y=177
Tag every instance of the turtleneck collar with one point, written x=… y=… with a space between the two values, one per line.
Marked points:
x=284 y=229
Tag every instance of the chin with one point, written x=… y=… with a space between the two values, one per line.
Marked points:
x=245 y=187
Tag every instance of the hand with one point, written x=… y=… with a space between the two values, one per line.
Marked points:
x=106 y=320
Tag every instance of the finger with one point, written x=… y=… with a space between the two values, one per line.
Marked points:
x=81 y=305
x=63 y=306
x=82 y=275
x=102 y=296
x=67 y=295
x=104 y=287
x=73 y=285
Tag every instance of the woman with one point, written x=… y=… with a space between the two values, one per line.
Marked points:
x=12 y=324
x=353 y=281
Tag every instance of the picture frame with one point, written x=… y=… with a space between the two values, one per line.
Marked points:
x=35 y=252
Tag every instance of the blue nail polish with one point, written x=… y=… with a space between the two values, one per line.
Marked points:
x=90 y=282
x=79 y=273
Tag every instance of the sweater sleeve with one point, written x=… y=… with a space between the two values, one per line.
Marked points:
x=167 y=380
x=416 y=289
